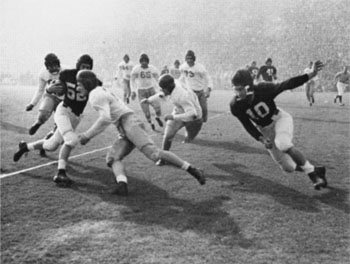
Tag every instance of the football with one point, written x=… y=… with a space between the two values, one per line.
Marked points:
x=58 y=88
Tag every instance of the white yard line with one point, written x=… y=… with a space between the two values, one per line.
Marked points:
x=73 y=157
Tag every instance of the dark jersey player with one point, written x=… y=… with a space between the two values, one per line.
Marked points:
x=256 y=109
x=67 y=118
x=268 y=72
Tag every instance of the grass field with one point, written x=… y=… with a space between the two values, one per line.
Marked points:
x=248 y=212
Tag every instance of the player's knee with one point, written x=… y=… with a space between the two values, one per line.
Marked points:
x=50 y=145
x=71 y=139
x=288 y=167
x=44 y=116
x=152 y=152
x=283 y=143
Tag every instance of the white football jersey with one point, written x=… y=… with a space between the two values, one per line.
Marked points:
x=45 y=78
x=124 y=70
x=175 y=72
x=187 y=107
x=195 y=77
x=144 y=78
x=109 y=107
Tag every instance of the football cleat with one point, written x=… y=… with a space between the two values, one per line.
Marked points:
x=34 y=128
x=198 y=174
x=61 y=179
x=23 y=148
x=160 y=123
x=153 y=127
x=318 y=177
x=121 y=189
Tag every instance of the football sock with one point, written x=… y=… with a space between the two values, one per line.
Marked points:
x=307 y=167
x=62 y=164
x=121 y=178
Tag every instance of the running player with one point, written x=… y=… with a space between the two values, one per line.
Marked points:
x=256 y=109
x=342 y=79
x=124 y=73
x=195 y=77
x=144 y=78
x=268 y=72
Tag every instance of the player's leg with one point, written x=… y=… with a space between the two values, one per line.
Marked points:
x=192 y=129
x=142 y=94
x=66 y=123
x=204 y=105
x=135 y=132
x=45 y=110
x=24 y=147
x=283 y=141
x=120 y=149
x=307 y=89
x=156 y=106
x=127 y=91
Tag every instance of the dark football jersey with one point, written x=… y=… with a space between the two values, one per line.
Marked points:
x=259 y=106
x=267 y=73
x=73 y=99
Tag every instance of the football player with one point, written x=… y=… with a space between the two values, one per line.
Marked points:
x=310 y=86
x=342 y=78
x=268 y=72
x=255 y=108
x=67 y=118
x=124 y=73
x=130 y=132
x=254 y=70
x=144 y=78
x=175 y=70
x=186 y=113
x=165 y=70
x=195 y=77
x=49 y=100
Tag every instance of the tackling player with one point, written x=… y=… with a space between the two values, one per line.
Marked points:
x=124 y=73
x=144 y=78
x=50 y=100
x=268 y=72
x=186 y=113
x=195 y=77
x=130 y=132
x=255 y=108
x=342 y=79
x=67 y=118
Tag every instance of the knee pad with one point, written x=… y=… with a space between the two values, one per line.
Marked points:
x=71 y=139
x=152 y=152
x=44 y=116
x=283 y=142
x=51 y=145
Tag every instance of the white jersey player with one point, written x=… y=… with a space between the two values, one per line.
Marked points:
x=311 y=85
x=144 y=79
x=130 y=133
x=186 y=113
x=49 y=101
x=124 y=74
x=342 y=78
x=195 y=77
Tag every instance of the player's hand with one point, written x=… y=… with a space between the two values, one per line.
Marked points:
x=169 y=117
x=133 y=96
x=56 y=87
x=316 y=67
x=207 y=93
x=267 y=142
x=83 y=139
x=29 y=107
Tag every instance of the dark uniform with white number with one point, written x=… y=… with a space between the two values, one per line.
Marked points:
x=260 y=116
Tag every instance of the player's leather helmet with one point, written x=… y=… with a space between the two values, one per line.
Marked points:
x=190 y=54
x=88 y=79
x=166 y=81
x=86 y=59
x=51 y=60
x=242 y=77
x=143 y=57
x=126 y=57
